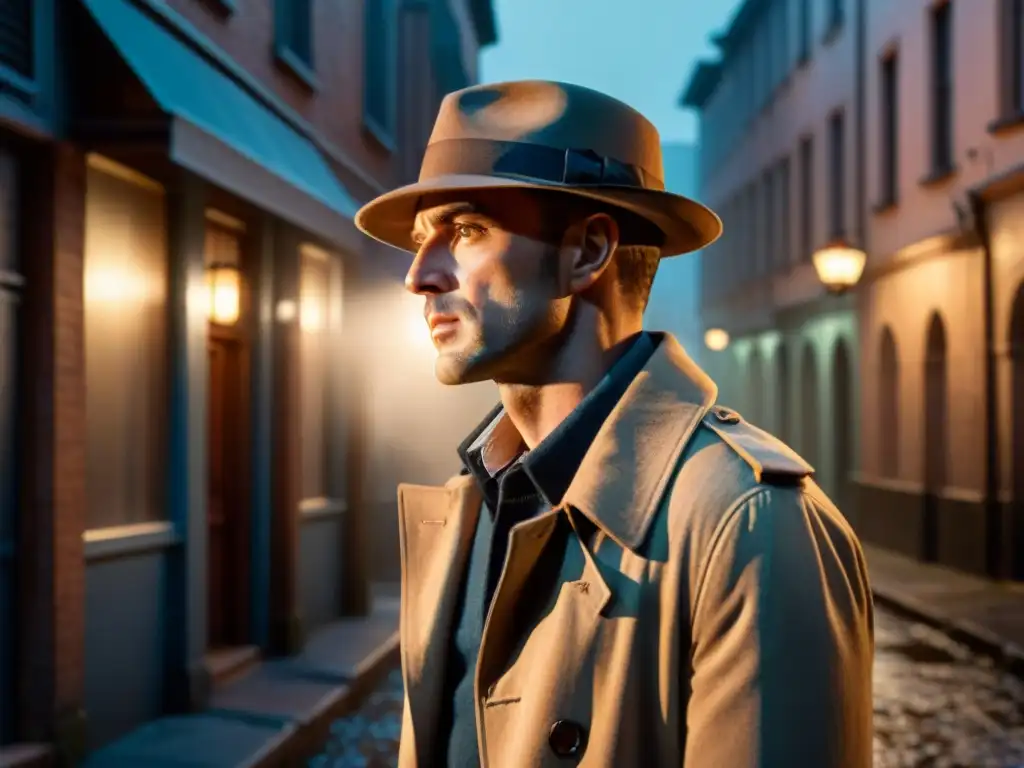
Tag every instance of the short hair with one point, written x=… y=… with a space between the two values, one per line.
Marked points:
x=639 y=251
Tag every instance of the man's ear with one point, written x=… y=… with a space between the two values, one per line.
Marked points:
x=587 y=247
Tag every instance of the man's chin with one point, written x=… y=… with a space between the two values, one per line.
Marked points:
x=452 y=369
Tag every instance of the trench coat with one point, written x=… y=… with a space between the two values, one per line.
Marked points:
x=709 y=606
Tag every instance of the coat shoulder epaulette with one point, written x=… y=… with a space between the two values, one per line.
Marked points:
x=772 y=460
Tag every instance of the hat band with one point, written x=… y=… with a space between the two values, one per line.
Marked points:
x=520 y=160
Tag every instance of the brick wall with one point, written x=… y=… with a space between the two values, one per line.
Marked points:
x=51 y=566
x=335 y=107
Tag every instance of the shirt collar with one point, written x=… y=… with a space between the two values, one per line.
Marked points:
x=496 y=444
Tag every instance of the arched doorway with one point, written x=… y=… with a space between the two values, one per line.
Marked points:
x=782 y=393
x=842 y=426
x=755 y=388
x=935 y=433
x=888 y=433
x=1017 y=432
x=810 y=412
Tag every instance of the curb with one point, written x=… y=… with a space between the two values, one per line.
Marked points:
x=307 y=739
x=1007 y=655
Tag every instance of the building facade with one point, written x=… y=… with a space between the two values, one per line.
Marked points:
x=778 y=111
x=942 y=465
x=184 y=439
x=905 y=118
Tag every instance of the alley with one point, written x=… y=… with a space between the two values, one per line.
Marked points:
x=937 y=705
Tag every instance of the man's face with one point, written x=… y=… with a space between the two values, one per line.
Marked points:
x=490 y=276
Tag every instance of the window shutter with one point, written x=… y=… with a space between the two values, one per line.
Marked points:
x=16 y=36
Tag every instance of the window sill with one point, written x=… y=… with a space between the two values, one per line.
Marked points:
x=23 y=87
x=381 y=136
x=885 y=206
x=938 y=175
x=288 y=60
x=321 y=508
x=1007 y=123
x=222 y=8
x=126 y=540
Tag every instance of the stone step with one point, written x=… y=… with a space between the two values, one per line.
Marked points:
x=227 y=664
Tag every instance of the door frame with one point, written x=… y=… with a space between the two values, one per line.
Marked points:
x=12 y=284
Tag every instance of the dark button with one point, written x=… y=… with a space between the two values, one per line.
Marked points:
x=566 y=738
x=726 y=415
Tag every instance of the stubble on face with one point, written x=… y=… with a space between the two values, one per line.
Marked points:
x=513 y=314
x=505 y=293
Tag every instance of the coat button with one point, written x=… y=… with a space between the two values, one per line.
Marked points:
x=726 y=415
x=566 y=738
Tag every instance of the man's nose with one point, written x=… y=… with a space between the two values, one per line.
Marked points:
x=432 y=270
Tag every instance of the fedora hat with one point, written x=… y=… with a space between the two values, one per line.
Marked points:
x=550 y=136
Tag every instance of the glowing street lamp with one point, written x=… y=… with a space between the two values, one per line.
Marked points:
x=716 y=339
x=839 y=266
x=224 y=283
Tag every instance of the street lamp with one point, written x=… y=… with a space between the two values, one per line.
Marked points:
x=839 y=266
x=716 y=339
x=224 y=284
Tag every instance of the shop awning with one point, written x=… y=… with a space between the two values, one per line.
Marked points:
x=223 y=133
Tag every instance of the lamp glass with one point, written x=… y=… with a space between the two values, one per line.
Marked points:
x=716 y=339
x=224 y=283
x=839 y=266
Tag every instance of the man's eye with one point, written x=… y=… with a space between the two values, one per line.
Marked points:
x=467 y=231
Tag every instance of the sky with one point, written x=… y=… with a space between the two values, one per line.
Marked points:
x=639 y=51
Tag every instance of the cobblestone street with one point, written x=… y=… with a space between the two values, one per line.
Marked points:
x=937 y=705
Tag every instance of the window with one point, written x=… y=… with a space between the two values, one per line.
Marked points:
x=1013 y=57
x=837 y=175
x=771 y=251
x=755 y=239
x=889 y=139
x=125 y=346
x=379 y=71
x=942 y=88
x=784 y=55
x=316 y=321
x=294 y=36
x=835 y=15
x=16 y=49
x=807 y=197
x=785 y=214
x=803 y=53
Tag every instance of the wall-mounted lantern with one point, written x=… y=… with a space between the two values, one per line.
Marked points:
x=716 y=339
x=223 y=281
x=839 y=266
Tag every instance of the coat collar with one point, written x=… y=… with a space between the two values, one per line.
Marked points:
x=628 y=466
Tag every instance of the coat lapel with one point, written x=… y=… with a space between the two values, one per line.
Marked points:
x=579 y=583
x=436 y=527
x=624 y=474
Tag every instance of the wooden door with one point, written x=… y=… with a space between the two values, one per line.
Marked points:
x=227 y=495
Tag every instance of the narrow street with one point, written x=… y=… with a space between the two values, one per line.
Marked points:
x=937 y=705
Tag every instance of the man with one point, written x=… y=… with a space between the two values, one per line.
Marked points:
x=625 y=573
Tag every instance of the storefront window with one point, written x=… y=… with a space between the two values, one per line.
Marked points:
x=315 y=320
x=125 y=346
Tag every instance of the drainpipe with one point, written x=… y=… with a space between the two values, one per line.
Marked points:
x=997 y=544
x=860 y=106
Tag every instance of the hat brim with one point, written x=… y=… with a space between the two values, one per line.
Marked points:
x=687 y=225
